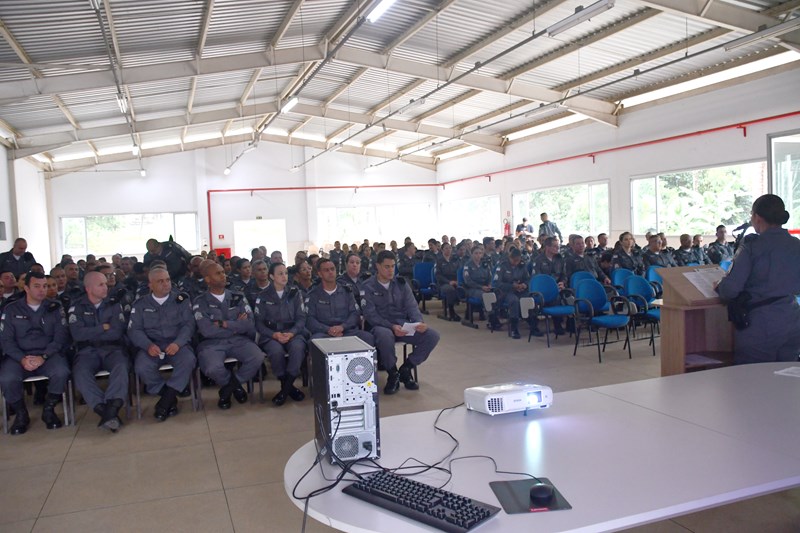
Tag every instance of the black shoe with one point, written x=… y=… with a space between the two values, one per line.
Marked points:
x=22 y=420
x=224 y=398
x=454 y=317
x=111 y=420
x=167 y=405
x=185 y=393
x=240 y=394
x=296 y=394
x=481 y=315
x=100 y=410
x=514 y=334
x=537 y=333
x=407 y=378
x=392 y=383
x=280 y=398
x=49 y=416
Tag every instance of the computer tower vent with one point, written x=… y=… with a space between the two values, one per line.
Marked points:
x=359 y=370
x=495 y=405
x=346 y=447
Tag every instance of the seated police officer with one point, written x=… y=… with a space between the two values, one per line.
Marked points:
x=260 y=281
x=161 y=327
x=446 y=271
x=281 y=322
x=227 y=328
x=478 y=279
x=654 y=256
x=388 y=304
x=511 y=279
x=34 y=336
x=97 y=325
x=720 y=250
x=331 y=308
x=576 y=260
x=352 y=275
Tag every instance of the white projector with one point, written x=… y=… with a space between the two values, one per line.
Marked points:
x=507 y=398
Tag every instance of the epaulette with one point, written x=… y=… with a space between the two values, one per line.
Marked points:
x=118 y=296
x=365 y=276
x=53 y=305
x=401 y=280
x=347 y=287
x=292 y=292
x=751 y=237
x=182 y=297
x=236 y=297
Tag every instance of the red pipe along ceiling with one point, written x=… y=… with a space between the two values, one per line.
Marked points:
x=593 y=155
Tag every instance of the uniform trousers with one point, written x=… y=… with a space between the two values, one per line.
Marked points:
x=449 y=294
x=773 y=335
x=211 y=355
x=11 y=375
x=286 y=359
x=90 y=361
x=183 y=363
x=423 y=344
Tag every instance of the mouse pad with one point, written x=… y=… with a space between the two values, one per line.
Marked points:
x=515 y=497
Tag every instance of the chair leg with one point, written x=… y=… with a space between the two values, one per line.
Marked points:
x=5 y=413
x=627 y=339
x=194 y=389
x=577 y=337
x=605 y=338
x=599 y=354
x=653 y=337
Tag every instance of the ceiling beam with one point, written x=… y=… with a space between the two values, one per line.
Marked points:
x=339 y=131
x=201 y=40
x=493 y=114
x=378 y=137
x=249 y=87
x=418 y=142
x=285 y=23
x=389 y=100
x=118 y=55
x=447 y=105
x=341 y=90
x=300 y=126
x=421 y=23
x=190 y=99
x=722 y=14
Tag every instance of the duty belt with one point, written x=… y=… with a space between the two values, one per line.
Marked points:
x=279 y=326
x=97 y=344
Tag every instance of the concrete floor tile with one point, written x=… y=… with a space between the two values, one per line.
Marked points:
x=24 y=490
x=249 y=513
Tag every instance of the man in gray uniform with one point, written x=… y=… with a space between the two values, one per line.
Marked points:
x=720 y=250
x=18 y=259
x=97 y=325
x=388 y=304
x=549 y=228
x=511 y=279
x=227 y=329
x=161 y=327
x=34 y=336
x=331 y=308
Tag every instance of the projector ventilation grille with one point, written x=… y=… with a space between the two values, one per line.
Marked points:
x=496 y=405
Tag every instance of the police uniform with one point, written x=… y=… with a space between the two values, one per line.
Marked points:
x=339 y=308
x=446 y=271
x=336 y=257
x=227 y=329
x=475 y=278
x=162 y=325
x=766 y=267
x=385 y=307
x=18 y=265
x=282 y=314
x=24 y=331
x=580 y=263
x=252 y=291
x=550 y=229
x=192 y=286
x=552 y=267
x=702 y=256
x=661 y=259
x=719 y=252
x=405 y=266
x=684 y=256
x=174 y=255
x=504 y=278
x=632 y=261
x=100 y=349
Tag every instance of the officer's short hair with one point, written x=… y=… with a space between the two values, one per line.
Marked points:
x=352 y=254
x=550 y=241
x=721 y=226
x=32 y=275
x=322 y=261
x=255 y=251
x=514 y=252
x=574 y=237
x=154 y=271
x=138 y=268
x=241 y=263
x=383 y=255
x=258 y=262
x=487 y=240
x=273 y=266
x=6 y=270
x=601 y=235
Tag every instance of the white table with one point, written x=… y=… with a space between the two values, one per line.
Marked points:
x=622 y=455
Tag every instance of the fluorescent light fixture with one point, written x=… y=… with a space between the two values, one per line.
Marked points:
x=122 y=103
x=543 y=108
x=239 y=131
x=143 y=173
x=335 y=147
x=159 y=143
x=582 y=14
x=461 y=151
x=551 y=125
x=294 y=169
x=290 y=104
x=227 y=171
x=72 y=156
x=206 y=136
x=249 y=148
x=379 y=10
x=764 y=33
x=135 y=149
x=412 y=104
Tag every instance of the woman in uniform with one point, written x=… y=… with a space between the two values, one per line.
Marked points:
x=477 y=277
x=767 y=268
x=626 y=257
x=447 y=279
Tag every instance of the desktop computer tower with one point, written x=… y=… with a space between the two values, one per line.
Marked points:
x=345 y=393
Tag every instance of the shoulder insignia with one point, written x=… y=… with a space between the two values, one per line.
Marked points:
x=347 y=287
x=401 y=280
x=182 y=297
x=73 y=318
x=52 y=306
x=292 y=292
x=236 y=298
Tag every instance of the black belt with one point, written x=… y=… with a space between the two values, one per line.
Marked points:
x=279 y=326
x=97 y=344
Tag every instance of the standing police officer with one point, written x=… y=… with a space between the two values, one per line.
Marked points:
x=331 y=308
x=161 y=327
x=511 y=278
x=173 y=254
x=34 y=336
x=388 y=304
x=227 y=328
x=97 y=325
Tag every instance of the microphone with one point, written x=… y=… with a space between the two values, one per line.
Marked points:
x=743 y=227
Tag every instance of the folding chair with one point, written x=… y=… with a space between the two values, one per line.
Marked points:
x=194 y=388
x=67 y=400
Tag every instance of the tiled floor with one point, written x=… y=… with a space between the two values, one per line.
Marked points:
x=222 y=471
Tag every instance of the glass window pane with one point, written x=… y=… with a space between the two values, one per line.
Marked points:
x=580 y=209
x=785 y=158
x=73 y=236
x=471 y=218
x=186 y=230
x=643 y=205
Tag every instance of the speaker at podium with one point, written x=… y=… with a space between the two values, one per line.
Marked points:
x=345 y=393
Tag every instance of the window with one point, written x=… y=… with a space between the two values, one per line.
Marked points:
x=126 y=234
x=471 y=218
x=377 y=223
x=696 y=201
x=784 y=152
x=581 y=209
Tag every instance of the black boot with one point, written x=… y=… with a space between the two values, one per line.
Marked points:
x=225 y=393
x=100 y=410
x=280 y=398
x=111 y=420
x=238 y=391
x=494 y=322
x=392 y=381
x=293 y=392
x=513 y=328
x=167 y=405
x=21 y=420
x=407 y=377
x=49 y=416
x=453 y=315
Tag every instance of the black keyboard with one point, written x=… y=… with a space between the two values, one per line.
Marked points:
x=435 y=507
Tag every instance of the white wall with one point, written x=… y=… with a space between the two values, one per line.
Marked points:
x=7 y=200
x=31 y=198
x=766 y=97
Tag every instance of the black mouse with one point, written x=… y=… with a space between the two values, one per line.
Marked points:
x=542 y=494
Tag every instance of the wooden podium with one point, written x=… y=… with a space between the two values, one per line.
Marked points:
x=695 y=332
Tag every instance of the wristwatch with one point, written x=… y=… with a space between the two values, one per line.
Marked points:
x=45 y=356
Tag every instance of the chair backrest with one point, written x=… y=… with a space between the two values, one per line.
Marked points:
x=637 y=285
x=592 y=290
x=579 y=276
x=653 y=275
x=460 y=276
x=619 y=275
x=725 y=265
x=544 y=284
x=423 y=273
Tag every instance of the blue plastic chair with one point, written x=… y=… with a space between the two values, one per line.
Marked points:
x=640 y=292
x=544 y=290
x=473 y=304
x=423 y=282
x=591 y=296
x=725 y=265
x=618 y=277
x=579 y=276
